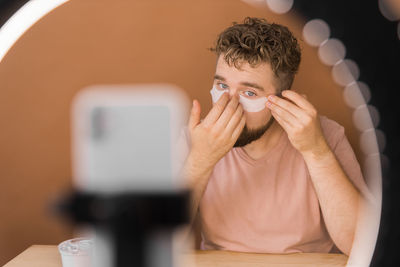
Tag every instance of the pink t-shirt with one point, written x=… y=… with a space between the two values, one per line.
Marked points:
x=269 y=205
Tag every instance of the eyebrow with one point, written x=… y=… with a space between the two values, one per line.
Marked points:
x=254 y=85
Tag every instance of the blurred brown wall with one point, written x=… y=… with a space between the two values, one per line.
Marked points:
x=110 y=42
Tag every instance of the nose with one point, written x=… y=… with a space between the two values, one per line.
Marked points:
x=233 y=92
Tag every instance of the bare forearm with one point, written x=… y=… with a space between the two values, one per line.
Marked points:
x=196 y=173
x=338 y=197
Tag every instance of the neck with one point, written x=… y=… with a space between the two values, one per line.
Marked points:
x=268 y=140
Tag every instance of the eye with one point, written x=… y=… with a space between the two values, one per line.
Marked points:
x=249 y=93
x=222 y=86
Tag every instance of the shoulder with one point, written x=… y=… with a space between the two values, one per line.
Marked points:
x=329 y=124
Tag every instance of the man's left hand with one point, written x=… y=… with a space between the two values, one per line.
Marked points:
x=299 y=119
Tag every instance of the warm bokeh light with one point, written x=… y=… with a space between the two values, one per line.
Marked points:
x=369 y=147
x=345 y=72
x=388 y=10
x=331 y=51
x=356 y=94
x=280 y=6
x=365 y=117
x=316 y=31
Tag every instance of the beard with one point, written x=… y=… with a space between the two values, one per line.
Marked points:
x=249 y=135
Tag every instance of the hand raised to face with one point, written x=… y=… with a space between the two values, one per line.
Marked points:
x=299 y=119
x=213 y=137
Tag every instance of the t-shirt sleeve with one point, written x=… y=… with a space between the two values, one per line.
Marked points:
x=344 y=153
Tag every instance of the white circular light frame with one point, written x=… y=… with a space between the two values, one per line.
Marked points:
x=318 y=33
x=345 y=73
x=22 y=20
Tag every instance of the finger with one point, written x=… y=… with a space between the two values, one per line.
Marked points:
x=217 y=110
x=234 y=121
x=228 y=112
x=285 y=125
x=296 y=111
x=239 y=128
x=194 y=118
x=284 y=116
x=299 y=100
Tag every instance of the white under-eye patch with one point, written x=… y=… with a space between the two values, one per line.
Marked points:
x=250 y=105
x=216 y=94
x=253 y=105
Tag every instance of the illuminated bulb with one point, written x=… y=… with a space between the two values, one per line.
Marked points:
x=374 y=113
x=387 y=10
x=331 y=51
x=316 y=31
x=372 y=141
x=280 y=6
x=381 y=138
x=353 y=96
x=356 y=94
x=372 y=170
x=365 y=117
x=398 y=30
x=365 y=91
x=345 y=72
x=368 y=143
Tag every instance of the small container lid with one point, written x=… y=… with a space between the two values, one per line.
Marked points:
x=76 y=247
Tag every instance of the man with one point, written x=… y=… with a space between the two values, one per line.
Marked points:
x=275 y=178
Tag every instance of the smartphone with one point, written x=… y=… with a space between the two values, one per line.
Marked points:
x=123 y=142
x=124 y=136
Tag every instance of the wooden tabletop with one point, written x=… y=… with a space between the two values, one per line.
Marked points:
x=48 y=256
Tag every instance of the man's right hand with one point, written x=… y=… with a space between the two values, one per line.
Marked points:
x=213 y=137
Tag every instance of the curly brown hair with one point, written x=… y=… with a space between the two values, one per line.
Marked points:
x=256 y=41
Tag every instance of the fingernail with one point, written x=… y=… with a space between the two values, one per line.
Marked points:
x=271 y=97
